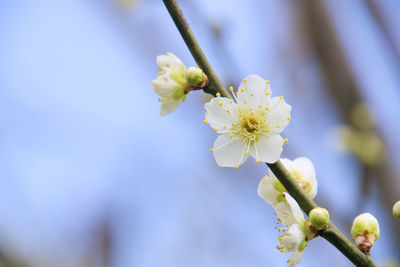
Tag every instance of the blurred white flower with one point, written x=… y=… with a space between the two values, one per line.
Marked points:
x=302 y=169
x=249 y=124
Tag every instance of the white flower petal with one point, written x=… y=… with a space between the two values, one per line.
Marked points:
x=165 y=87
x=284 y=212
x=295 y=258
x=295 y=208
x=170 y=105
x=229 y=152
x=217 y=115
x=267 y=191
x=279 y=114
x=254 y=91
x=267 y=148
x=287 y=163
x=293 y=238
x=305 y=166
x=169 y=61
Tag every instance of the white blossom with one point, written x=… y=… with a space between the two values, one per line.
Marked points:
x=250 y=124
x=170 y=83
x=302 y=169
x=295 y=239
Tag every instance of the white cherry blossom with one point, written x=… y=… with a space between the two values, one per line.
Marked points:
x=249 y=124
x=302 y=169
x=171 y=82
x=295 y=239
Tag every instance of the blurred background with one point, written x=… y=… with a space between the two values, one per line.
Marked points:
x=91 y=175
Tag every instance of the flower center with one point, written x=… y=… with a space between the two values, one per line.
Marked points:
x=250 y=124
x=302 y=182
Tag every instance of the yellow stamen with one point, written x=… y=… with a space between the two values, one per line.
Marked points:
x=231 y=88
x=242 y=89
x=237 y=167
x=288 y=118
x=285 y=140
x=267 y=82
x=220 y=104
x=246 y=152
x=211 y=149
x=218 y=94
x=281 y=97
x=205 y=121
x=257 y=161
x=245 y=80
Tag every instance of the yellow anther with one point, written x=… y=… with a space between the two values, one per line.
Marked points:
x=257 y=161
x=242 y=89
x=220 y=104
x=281 y=97
x=237 y=167
x=211 y=149
x=231 y=88
x=278 y=126
x=288 y=118
x=251 y=95
x=285 y=140
x=160 y=100
x=205 y=121
x=245 y=80
x=259 y=106
x=267 y=108
x=218 y=94
x=246 y=152
x=231 y=101
x=267 y=93
x=267 y=82
x=245 y=102
x=216 y=129
x=159 y=73
x=236 y=93
x=224 y=127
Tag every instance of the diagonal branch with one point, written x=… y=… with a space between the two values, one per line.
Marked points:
x=215 y=84
x=332 y=234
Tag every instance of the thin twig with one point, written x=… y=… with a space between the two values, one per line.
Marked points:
x=215 y=84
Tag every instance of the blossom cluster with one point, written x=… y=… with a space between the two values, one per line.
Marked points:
x=299 y=231
x=250 y=124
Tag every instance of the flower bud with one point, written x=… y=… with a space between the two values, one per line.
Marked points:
x=365 y=231
x=319 y=218
x=196 y=77
x=396 y=210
